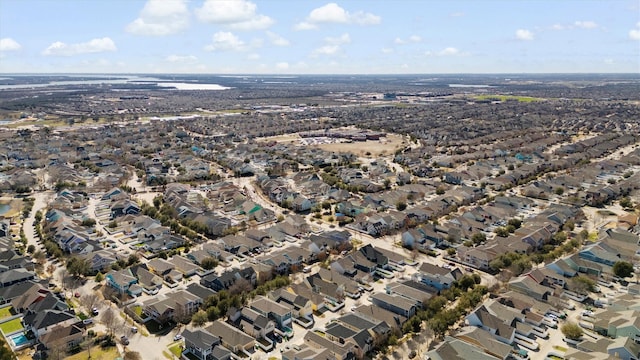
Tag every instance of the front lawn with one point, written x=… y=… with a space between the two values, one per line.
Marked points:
x=11 y=326
x=176 y=349
x=97 y=353
x=5 y=312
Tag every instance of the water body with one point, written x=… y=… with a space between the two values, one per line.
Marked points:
x=4 y=208
x=106 y=80
x=115 y=80
x=192 y=86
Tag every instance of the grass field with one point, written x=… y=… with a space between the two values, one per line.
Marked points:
x=11 y=326
x=5 y=312
x=176 y=349
x=97 y=353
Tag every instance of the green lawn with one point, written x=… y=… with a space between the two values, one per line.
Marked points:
x=5 y=312
x=97 y=353
x=176 y=349
x=11 y=326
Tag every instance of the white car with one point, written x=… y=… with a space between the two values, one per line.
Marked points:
x=177 y=337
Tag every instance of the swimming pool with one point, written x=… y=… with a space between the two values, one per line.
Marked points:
x=18 y=339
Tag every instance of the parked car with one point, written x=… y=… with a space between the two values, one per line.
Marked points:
x=87 y=321
x=177 y=337
x=95 y=311
x=124 y=340
x=134 y=329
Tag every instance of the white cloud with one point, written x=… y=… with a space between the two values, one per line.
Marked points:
x=253 y=56
x=236 y=14
x=456 y=14
x=301 y=26
x=557 y=27
x=386 y=50
x=634 y=34
x=330 y=13
x=332 y=45
x=92 y=46
x=8 y=44
x=161 y=17
x=608 y=61
x=259 y=22
x=340 y=40
x=585 y=24
x=450 y=51
x=277 y=40
x=522 y=34
x=411 y=39
x=333 y=13
x=181 y=59
x=326 y=50
x=363 y=18
x=225 y=41
x=282 y=66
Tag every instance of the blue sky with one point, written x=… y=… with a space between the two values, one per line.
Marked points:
x=319 y=37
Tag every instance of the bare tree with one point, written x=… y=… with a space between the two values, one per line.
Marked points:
x=181 y=316
x=240 y=286
x=57 y=352
x=110 y=320
x=90 y=300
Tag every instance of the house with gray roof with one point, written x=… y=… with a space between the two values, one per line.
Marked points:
x=231 y=338
x=199 y=343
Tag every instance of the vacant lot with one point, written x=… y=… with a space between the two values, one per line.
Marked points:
x=374 y=148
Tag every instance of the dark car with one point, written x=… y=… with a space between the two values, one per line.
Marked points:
x=124 y=340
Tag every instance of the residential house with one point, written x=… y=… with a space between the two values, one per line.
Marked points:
x=528 y=286
x=337 y=351
x=438 y=277
x=456 y=349
x=254 y=323
x=231 y=338
x=43 y=322
x=280 y=313
x=15 y=276
x=302 y=306
x=62 y=337
x=174 y=306
x=124 y=207
x=149 y=281
x=165 y=269
x=101 y=260
x=199 y=343
x=394 y=303
x=123 y=282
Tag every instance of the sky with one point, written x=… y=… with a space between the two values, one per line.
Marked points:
x=319 y=37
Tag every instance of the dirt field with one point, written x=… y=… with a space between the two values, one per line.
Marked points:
x=375 y=148
x=281 y=138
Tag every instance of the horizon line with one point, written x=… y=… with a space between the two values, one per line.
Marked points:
x=318 y=74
